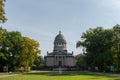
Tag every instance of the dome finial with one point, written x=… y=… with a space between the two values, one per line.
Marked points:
x=59 y=32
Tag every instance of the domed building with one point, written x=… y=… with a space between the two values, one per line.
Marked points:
x=60 y=56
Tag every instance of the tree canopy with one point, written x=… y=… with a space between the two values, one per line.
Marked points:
x=100 y=45
x=17 y=50
x=2 y=11
x=30 y=49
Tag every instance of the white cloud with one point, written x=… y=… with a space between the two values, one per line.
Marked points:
x=113 y=4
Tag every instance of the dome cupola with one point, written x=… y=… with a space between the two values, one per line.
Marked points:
x=59 y=42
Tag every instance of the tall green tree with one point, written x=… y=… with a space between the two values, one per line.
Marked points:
x=30 y=49
x=38 y=63
x=10 y=48
x=81 y=61
x=116 y=45
x=98 y=43
x=2 y=11
x=3 y=49
x=16 y=50
x=14 y=46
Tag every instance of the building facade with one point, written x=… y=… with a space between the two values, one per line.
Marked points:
x=60 y=56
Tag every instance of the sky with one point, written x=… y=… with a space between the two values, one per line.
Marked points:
x=42 y=20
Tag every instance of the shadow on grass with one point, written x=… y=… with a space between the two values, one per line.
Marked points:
x=50 y=74
x=69 y=73
x=93 y=76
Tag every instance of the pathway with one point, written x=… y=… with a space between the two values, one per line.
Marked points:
x=7 y=75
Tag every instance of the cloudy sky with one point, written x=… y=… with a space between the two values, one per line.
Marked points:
x=43 y=19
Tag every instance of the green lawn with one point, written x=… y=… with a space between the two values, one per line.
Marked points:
x=2 y=73
x=64 y=76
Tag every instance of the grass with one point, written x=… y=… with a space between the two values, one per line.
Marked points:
x=64 y=76
x=2 y=73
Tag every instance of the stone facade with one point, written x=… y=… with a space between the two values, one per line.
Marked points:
x=59 y=57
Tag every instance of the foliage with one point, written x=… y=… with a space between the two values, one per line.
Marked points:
x=3 y=52
x=81 y=63
x=2 y=12
x=99 y=47
x=38 y=63
x=29 y=52
x=116 y=29
x=11 y=46
x=16 y=50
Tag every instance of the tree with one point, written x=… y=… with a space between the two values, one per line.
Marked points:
x=38 y=63
x=10 y=50
x=30 y=49
x=2 y=12
x=16 y=50
x=3 y=55
x=98 y=43
x=13 y=43
x=116 y=29
x=81 y=62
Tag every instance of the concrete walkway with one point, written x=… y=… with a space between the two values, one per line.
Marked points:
x=7 y=75
x=105 y=74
